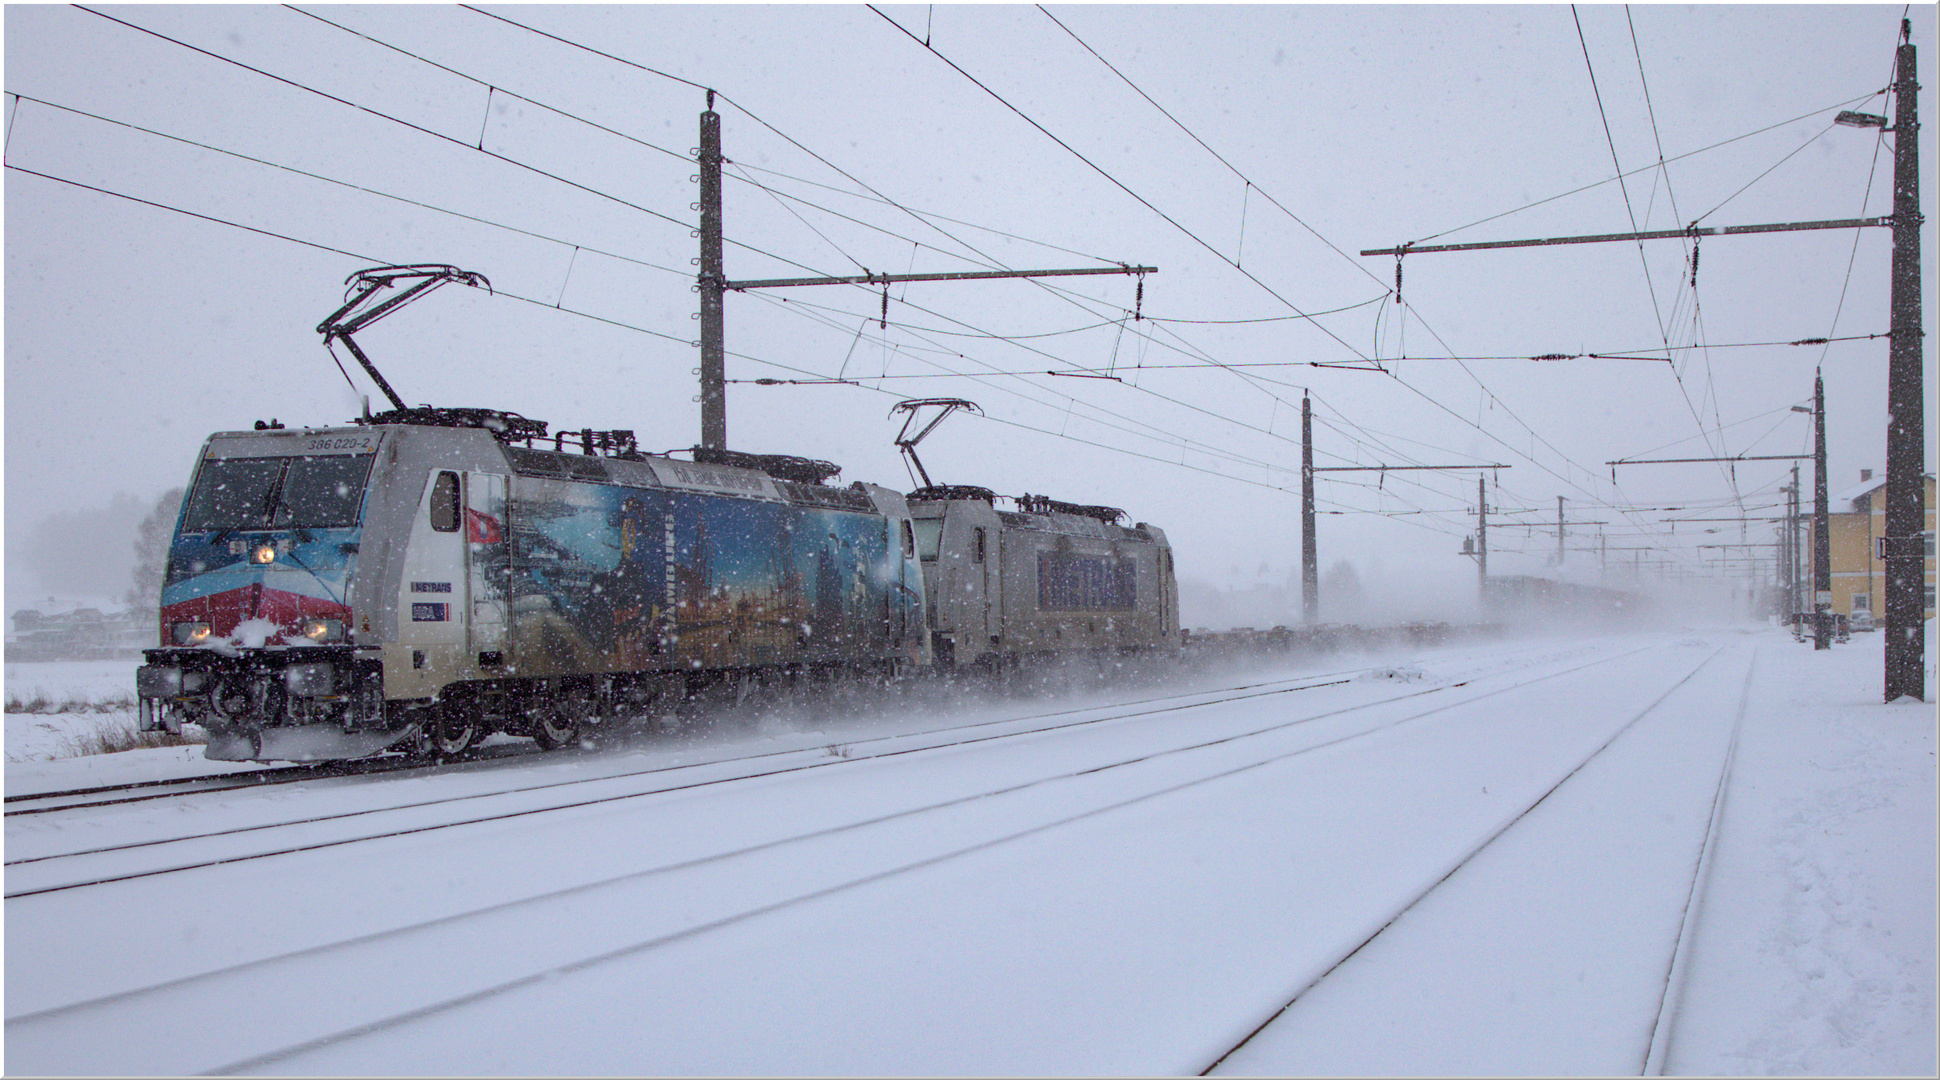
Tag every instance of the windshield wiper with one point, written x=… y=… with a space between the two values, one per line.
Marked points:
x=274 y=499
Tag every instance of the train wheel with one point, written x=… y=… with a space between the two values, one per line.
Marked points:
x=447 y=735
x=554 y=727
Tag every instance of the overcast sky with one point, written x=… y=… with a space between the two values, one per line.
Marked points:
x=188 y=187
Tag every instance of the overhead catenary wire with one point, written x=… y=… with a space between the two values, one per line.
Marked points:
x=557 y=304
x=1005 y=336
x=725 y=98
x=574 y=245
x=1661 y=163
x=842 y=172
x=577 y=245
x=1846 y=104
x=1114 y=180
x=1162 y=214
x=552 y=305
x=1250 y=185
x=1649 y=285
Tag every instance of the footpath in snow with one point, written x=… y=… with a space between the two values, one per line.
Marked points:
x=1815 y=950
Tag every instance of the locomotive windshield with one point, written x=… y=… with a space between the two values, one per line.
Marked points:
x=278 y=493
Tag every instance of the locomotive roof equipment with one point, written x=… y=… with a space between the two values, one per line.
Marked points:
x=907 y=442
x=366 y=283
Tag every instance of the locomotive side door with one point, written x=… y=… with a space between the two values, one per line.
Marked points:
x=488 y=575
x=971 y=546
x=978 y=572
x=431 y=602
x=903 y=550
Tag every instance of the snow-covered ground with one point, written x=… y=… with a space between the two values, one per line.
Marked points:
x=1710 y=851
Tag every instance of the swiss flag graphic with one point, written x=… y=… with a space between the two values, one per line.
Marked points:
x=481 y=528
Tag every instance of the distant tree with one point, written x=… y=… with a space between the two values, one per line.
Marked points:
x=77 y=553
x=1340 y=591
x=151 y=554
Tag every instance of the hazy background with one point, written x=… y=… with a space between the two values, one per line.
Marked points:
x=165 y=283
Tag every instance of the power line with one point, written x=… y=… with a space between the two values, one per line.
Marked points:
x=1680 y=157
x=1650 y=286
x=367 y=258
x=393 y=119
x=492 y=86
x=1114 y=180
x=878 y=194
x=1251 y=186
x=418 y=128
x=353 y=187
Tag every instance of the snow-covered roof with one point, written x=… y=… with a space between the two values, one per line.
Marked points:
x=1842 y=501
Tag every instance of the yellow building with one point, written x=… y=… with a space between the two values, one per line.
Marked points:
x=1857 y=518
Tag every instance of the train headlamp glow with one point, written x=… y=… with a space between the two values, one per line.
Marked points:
x=264 y=554
x=189 y=633
x=321 y=630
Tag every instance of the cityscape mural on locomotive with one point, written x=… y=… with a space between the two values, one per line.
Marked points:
x=598 y=577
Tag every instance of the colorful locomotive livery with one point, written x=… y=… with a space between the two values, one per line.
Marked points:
x=617 y=578
x=330 y=593
x=430 y=576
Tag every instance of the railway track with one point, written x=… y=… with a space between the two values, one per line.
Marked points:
x=1645 y=992
x=1235 y=746
x=751 y=766
x=589 y=791
x=43 y=870
x=44 y=802
x=84 y=798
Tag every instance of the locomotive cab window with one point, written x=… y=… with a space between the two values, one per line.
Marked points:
x=278 y=493
x=929 y=537
x=909 y=540
x=444 y=502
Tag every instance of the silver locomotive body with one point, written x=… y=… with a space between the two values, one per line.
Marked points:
x=1053 y=578
x=332 y=593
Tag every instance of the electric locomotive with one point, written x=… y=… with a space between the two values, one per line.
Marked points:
x=1007 y=589
x=1004 y=589
x=424 y=577
x=429 y=576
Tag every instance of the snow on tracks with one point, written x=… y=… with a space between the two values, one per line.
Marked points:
x=1103 y=899
x=1555 y=947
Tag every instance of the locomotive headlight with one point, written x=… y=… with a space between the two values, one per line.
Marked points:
x=264 y=554
x=189 y=633
x=321 y=630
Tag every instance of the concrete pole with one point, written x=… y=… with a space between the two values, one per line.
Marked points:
x=712 y=284
x=1798 y=550
x=1559 y=530
x=1482 y=540
x=1905 y=407
x=1821 y=520
x=1309 y=550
